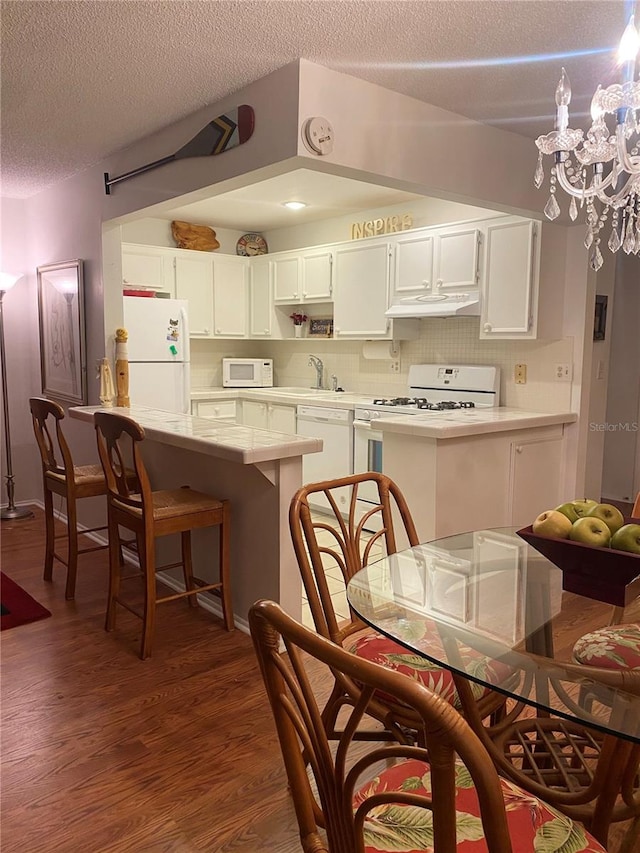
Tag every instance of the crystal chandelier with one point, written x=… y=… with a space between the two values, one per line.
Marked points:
x=602 y=171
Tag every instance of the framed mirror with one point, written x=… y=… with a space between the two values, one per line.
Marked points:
x=63 y=357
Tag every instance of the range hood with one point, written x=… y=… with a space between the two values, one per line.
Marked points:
x=437 y=305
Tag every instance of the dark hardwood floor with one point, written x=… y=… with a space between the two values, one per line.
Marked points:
x=105 y=753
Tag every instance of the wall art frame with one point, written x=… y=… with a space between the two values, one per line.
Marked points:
x=63 y=357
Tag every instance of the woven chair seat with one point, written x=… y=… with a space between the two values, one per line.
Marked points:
x=83 y=475
x=168 y=503
x=534 y=827
x=614 y=647
x=378 y=648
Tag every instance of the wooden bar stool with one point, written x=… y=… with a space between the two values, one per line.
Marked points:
x=61 y=477
x=149 y=514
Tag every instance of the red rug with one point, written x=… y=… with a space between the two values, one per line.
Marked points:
x=17 y=608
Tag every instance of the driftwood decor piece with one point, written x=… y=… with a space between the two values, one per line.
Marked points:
x=199 y=237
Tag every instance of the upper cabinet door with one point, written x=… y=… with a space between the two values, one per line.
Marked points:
x=510 y=282
x=286 y=279
x=230 y=296
x=361 y=293
x=194 y=282
x=260 y=310
x=148 y=266
x=316 y=276
x=457 y=259
x=413 y=265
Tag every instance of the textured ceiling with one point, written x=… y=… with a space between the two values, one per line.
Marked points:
x=81 y=80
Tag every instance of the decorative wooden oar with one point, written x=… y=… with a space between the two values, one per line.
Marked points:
x=224 y=132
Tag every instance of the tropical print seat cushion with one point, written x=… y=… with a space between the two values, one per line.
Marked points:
x=534 y=826
x=615 y=647
x=423 y=634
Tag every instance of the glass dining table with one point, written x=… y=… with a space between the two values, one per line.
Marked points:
x=491 y=609
x=490 y=595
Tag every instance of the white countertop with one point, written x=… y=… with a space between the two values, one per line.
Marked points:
x=223 y=439
x=463 y=422
x=288 y=395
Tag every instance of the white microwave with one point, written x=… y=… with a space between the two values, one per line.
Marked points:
x=247 y=372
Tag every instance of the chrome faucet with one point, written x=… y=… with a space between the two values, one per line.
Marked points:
x=316 y=362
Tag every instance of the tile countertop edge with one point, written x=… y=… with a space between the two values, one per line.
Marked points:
x=504 y=419
x=271 y=450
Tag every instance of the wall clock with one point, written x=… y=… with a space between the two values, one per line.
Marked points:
x=251 y=244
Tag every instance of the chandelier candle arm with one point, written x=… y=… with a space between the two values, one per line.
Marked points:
x=601 y=168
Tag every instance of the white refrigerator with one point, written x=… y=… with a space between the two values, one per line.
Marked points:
x=159 y=356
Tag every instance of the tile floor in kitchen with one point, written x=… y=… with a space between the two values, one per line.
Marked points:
x=334 y=574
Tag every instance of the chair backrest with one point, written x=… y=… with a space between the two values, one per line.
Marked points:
x=342 y=772
x=320 y=542
x=119 y=439
x=635 y=512
x=54 y=450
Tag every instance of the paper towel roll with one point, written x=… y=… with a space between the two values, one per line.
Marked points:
x=380 y=349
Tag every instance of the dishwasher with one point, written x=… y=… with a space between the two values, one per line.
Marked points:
x=334 y=427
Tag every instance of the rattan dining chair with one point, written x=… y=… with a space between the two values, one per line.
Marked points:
x=71 y=482
x=322 y=542
x=437 y=798
x=150 y=514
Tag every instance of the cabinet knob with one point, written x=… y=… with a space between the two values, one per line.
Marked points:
x=266 y=331
x=218 y=331
x=426 y=284
x=304 y=293
x=518 y=449
x=487 y=327
x=439 y=283
x=206 y=331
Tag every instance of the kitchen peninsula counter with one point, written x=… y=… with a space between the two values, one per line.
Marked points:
x=468 y=422
x=257 y=470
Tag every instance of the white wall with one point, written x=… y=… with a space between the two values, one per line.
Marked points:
x=622 y=440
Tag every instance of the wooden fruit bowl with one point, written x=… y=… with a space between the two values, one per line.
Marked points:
x=604 y=574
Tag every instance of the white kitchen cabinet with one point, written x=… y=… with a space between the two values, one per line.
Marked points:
x=149 y=266
x=260 y=298
x=510 y=289
x=286 y=278
x=194 y=282
x=273 y=416
x=536 y=466
x=456 y=259
x=218 y=409
x=316 y=275
x=413 y=264
x=230 y=292
x=361 y=290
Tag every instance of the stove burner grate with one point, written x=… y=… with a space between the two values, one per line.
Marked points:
x=424 y=403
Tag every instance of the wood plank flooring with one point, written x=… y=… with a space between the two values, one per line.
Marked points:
x=105 y=753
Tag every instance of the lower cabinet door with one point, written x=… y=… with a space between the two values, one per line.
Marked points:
x=535 y=478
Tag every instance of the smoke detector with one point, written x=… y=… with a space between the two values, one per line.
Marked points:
x=317 y=135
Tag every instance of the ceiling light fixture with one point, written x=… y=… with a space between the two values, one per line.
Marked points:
x=604 y=167
x=294 y=205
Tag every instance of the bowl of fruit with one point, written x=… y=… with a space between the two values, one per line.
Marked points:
x=595 y=546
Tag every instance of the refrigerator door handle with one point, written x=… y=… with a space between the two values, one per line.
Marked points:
x=186 y=389
x=186 y=343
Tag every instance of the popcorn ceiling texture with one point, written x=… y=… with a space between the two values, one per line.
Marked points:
x=452 y=340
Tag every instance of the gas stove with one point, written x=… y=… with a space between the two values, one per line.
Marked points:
x=438 y=388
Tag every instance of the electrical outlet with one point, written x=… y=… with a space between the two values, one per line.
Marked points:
x=562 y=372
x=394 y=365
x=520 y=374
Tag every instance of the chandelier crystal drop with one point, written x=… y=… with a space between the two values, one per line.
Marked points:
x=602 y=169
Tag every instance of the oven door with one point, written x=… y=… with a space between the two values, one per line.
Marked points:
x=367 y=456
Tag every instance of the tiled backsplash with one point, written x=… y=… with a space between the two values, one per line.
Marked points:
x=452 y=340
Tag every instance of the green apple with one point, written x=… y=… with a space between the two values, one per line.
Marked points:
x=569 y=510
x=583 y=505
x=553 y=524
x=590 y=531
x=627 y=538
x=608 y=513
